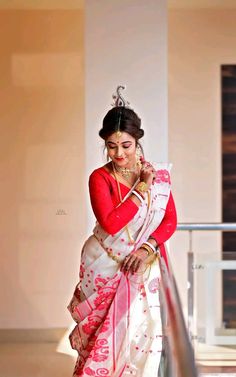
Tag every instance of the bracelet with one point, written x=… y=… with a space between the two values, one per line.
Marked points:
x=138 y=195
x=151 y=246
x=142 y=187
x=147 y=249
x=152 y=238
x=139 y=192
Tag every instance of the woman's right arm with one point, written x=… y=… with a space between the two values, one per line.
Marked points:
x=111 y=219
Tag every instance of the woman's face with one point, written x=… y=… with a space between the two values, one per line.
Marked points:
x=122 y=149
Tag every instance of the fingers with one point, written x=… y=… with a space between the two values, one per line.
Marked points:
x=128 y=263
x=125 y=264
x=136 y=265
x=146 y=166
x=131 y=263
x=148 y=173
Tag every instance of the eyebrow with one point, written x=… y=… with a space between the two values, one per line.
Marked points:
x=123 y=142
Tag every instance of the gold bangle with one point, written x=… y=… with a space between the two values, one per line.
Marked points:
x=141 y=187
x=152 y=238
x=151 y=246
x=147 y=249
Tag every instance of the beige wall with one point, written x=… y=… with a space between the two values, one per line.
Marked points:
x=126 y=43
x=42 y=145
x=42 y=164
x=199 y=42
x=43 y=158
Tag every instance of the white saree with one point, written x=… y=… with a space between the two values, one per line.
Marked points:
x=119 y=329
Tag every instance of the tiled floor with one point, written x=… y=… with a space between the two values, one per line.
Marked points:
x=58 y=360
x=34 y=360
x=39 y=359
x=218 y=375
x=217 y=371
x=216 y=361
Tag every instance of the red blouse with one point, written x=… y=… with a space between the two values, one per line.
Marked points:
x=105 y=197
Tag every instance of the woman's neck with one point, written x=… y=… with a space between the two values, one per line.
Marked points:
x=129 y=175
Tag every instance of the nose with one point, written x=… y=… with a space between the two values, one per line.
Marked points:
x=119 y=151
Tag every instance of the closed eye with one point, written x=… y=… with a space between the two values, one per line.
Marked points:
x=125 y=145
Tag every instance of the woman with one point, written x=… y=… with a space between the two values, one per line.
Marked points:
x=116 y=303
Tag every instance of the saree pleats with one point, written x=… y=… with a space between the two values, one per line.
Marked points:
x=118 y=328
x=118 y=331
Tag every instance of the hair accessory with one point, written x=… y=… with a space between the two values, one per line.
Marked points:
x=118 y=131
x=119 y=101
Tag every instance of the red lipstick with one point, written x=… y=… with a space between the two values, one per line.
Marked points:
x=119 y=158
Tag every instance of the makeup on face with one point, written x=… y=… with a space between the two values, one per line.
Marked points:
x=122 y=150
x=124 y=144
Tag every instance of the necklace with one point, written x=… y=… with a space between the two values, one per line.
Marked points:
x=131 y=240
x=125 y=172
x=129 y=178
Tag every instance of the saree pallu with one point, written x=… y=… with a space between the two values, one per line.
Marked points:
x=119 y=329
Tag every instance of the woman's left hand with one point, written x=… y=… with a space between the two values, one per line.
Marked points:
x=147 y=173
x=135 y=261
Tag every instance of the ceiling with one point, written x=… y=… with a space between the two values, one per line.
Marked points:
x=78 y=4
x=217 y=4
x=41 y=4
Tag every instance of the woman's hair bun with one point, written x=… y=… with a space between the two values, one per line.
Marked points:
x=128 y=122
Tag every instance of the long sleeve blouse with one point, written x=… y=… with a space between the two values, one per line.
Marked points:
x=104 y=198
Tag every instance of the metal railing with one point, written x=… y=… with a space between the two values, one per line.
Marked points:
x=178 y=356
x=191 y=227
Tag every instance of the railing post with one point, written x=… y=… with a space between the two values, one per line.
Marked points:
x=180 y=357
x=190 y=285
x=190 y=227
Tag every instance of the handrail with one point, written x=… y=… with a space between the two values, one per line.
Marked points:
x=180 y=355
x=228 y=227
x=190 y=227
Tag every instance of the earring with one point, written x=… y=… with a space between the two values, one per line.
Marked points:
x=138 y=154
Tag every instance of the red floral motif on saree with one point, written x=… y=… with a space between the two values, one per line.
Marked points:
x=81 y=272
x=142 y=290
x=105 y=293
x=93 y=322
x=99 y=282
x=154 y=285
x=104 y=300
x=105 y=325
x=162 y=175
x=101 y=350
x=97 y=373
x=79 y=366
